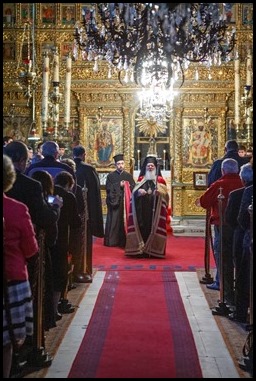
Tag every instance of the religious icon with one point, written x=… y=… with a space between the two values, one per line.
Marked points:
x=199 y=142
x=200 y=145
x=104 y=144
x=68 y=14
x=247 y=14
x=230 y=12
x=48 y=13
x=200 y=180
x=9 y=51
x=104 y=135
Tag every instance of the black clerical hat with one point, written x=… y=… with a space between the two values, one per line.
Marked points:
x=147 y=160
x=150 y=159
x=118 y=157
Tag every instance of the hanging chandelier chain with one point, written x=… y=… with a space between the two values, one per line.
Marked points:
x=26 y=67
x=155 y=41
x=22 y=44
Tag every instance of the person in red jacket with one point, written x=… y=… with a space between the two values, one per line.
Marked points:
x=20 y=245
x=229 y=181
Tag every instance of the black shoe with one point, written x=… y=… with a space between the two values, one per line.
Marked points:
x=71 y=287
x=63 y=302
x=83 y=278
x=139 y=256
x=58 y=316
x=63 y=306
x=66 y=309
x=234 y=317
x=69 y=310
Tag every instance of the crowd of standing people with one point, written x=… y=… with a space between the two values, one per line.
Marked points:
x=53 y=210
x=47 y=200
x=229 y=181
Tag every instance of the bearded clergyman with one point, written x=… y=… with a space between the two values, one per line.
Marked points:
x=146 y=233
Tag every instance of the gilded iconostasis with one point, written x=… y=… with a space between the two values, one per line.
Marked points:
x=107 y=113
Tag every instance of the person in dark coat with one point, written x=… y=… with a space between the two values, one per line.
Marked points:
x=245 y=221
x=115 y=234
x=28 y=190
x=231 y=152
x=47 y=238
x=68 y=229
x=241 y=262
x=50 y=163
x=88 y=179
x=79 y=256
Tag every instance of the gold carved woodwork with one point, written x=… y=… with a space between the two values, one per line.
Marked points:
x=91 y=90
x=189 y=200
x=177 y=208
x=103 y=199
x=218 y=73
x=182 y=176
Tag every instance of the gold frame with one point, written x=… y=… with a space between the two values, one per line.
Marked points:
x=87 y=6
x=103 y=201
x=47 y=47
x=10 y=16
x=231 y=17
x=114 y=125
x=208 y=136
x=25 y=7
x=248 y=6
x=200 y=180
x=102 y=173
x=43 y=18
x=64 y=20
x=9 y=51
x=65 y=49
x=25 y=49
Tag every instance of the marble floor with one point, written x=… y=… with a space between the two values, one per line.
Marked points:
x=215 y=359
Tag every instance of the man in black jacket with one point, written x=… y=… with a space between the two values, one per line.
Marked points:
x=88 y=179
x=241 y=261
x=116 y=182
x=50 y=163
x=231 y=152
x=28 y=190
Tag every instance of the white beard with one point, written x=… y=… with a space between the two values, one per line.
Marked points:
x=150 y=175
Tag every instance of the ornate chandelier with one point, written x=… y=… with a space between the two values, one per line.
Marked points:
x=153 y=42
x=156 y=103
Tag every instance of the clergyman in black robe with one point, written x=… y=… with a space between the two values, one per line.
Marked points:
x=116 y=183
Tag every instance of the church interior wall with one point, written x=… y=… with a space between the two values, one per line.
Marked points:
x=203 y=108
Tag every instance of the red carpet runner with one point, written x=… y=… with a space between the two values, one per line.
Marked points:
x=138 y=329
x=182 y=254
